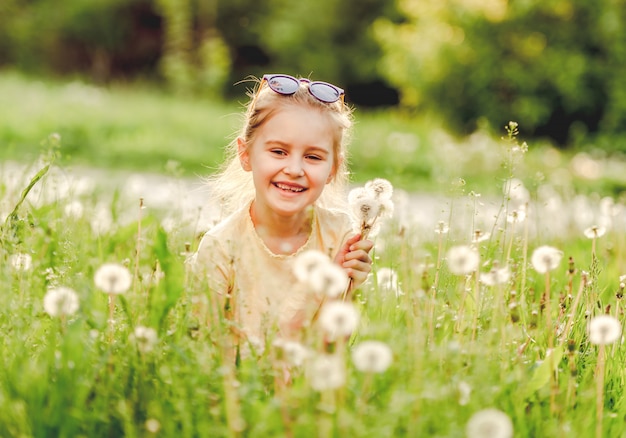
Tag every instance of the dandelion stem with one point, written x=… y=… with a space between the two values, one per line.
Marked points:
x=508 y=251
x=111 y=315
x=438 y=267
x=326 y=409
x=571 y=387
x=573 y=309
x=281 y=380
x=593 y=248
x=600 y=390
x=137 y=253
x=477 y=298
x=550 y=334
x=522 y=298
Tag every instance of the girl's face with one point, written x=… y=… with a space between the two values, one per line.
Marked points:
x=291 y=159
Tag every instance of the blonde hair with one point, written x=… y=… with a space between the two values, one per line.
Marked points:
x=232 y=187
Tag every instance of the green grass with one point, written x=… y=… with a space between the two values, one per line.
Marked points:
x=137 y=127
x=83 y=376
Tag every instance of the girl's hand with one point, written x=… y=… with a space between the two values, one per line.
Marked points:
x=354 y=258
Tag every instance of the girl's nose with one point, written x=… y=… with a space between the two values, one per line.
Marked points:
x=294 y=168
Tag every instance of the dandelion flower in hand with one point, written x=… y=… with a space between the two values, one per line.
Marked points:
x=372 y=357
x=60 y=301
x=489 y=423
x=113 y=278
x=326 y=372
x=546 y=258
x=604 y=329
x=338 y=319
x=462 y=260
x=381 y=187
x=369 y=204
x=365 y=211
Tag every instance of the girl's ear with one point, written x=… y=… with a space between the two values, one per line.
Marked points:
x=244 y=155
x=336 y=166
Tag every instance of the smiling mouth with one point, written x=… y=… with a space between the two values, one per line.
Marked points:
x=289 y=188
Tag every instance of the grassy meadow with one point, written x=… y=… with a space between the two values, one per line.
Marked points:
x=488 y=289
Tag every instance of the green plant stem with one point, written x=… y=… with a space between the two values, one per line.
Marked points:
x=600 y=390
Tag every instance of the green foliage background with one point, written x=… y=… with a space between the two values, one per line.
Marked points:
x=555 y=66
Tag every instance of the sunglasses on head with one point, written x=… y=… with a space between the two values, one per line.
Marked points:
x=288 y=85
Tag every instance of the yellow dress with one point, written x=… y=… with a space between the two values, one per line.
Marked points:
x=256 y=288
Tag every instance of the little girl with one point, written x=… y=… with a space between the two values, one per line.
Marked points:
x=284 y=188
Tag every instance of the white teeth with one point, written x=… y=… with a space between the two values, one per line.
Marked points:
x=291 y=189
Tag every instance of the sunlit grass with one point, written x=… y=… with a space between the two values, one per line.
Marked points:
x=460 y=345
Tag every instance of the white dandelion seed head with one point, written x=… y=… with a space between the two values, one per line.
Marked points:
x=113 y=278
x=489 y=423
x=386 y=208
x=145 y=338
x=495 y=276
x=465 y=391
x=387 y=280
x=365 y=210
x=604 y=329
x=462 y=260
x=101 y=220
x=480 y=236
x=21 y=261
x=338 y=319
x=594 y=232
x=516 y=216
x=381 y=188
x=326 y=372
x=60 y=301
x=442 y=228
x=294 y=352
x=328 y=279
x=74 y=210
x=357 y=193
x=546 y=258
x=515 y=190
x=372 y=357
x=306 y=262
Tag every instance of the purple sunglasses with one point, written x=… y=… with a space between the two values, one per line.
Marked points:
x=288 y=85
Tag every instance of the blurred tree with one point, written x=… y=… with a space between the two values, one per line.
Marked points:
x=104 y=38
x=327 y=39
x=555 y=66
x=201 y=45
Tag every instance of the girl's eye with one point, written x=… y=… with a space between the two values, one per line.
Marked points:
x=278 y=152
x=314 y=157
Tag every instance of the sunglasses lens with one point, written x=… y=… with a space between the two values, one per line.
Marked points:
x=325 y=92
x=283 y=84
